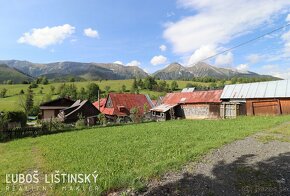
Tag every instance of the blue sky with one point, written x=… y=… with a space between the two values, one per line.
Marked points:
x=149 y=34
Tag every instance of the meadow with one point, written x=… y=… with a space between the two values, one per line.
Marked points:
x=125 y=156
x=10 y=103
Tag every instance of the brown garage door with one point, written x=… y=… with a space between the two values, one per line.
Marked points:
x=266 y=108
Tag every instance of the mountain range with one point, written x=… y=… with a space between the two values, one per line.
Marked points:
x=113 y=71
x=9 y=73
x=201 y=69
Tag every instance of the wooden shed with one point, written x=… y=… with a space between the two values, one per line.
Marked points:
x=261 y=98
x=190 y=105
x=79 y=109
x=52 y=108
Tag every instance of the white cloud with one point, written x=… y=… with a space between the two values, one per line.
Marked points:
x=243 y=67
x=284 y=75
x=170 y=14
x=202 y=53
x=288 y=18
x=47 y=36
x=158 y=60
x=253 y=58
x=73 y=40
x=134 y=63
x=146 y=70
x=119 y=62
x=224 y=59
x=286 y=38
x=276 y=70
x=163 y=48
x=217 y=22
x=89 y=32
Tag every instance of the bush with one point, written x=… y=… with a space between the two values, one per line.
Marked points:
x=134 y=115
x=15 y=117
x=33 y=85
x=35 y=110
x=81 y=122
x=102 y=119
x=51 y=125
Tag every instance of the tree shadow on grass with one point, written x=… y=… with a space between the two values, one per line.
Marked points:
x=269 y=177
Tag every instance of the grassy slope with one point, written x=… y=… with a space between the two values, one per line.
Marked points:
x=7 y=73
x=124 y=156
x=10 y=102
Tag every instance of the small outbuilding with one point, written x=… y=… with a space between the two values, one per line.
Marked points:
x=260 y=98
x=84 y=109
x=52 y=108
x=189 y=105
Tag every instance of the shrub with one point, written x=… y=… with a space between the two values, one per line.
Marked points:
x=81 y=122
x=33 y=85
x=102 y=119
x=134 y=115
x=15 y=117
x=52 y=125
x=3 y=92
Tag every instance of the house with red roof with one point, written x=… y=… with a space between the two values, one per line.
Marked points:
x=189 y=105
x=119 y=105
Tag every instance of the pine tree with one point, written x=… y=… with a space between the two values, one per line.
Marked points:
x=29 y=100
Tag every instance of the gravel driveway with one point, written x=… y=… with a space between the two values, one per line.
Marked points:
x=246 y=167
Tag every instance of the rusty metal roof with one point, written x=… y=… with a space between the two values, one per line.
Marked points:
x=272 y=89
x=212 y=96
x=163 y=107
x=127 y=101
x=102 y=103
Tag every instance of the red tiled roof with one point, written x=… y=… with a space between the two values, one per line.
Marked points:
x=212 y=96
x=122 y=103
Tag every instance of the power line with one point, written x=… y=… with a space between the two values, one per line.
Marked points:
x=246 y=42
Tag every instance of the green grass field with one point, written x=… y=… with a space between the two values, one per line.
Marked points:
x=10 y=103
x=125 y=156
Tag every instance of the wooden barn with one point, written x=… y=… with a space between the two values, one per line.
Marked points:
x=189 y=105
x=52 y=108
x=84 y=109
x=119 y=105
x=261 y=98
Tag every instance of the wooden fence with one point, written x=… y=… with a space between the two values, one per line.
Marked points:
x=10 y=134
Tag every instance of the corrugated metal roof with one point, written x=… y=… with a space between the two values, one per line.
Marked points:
x=187 y=90
x=271 y=89
x=212 y=96
x=127 y=101
x=163 y=107
x=102 y=103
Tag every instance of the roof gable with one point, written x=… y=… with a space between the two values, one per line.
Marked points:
x=61 y=102
x=122 y=103
x=81 y=107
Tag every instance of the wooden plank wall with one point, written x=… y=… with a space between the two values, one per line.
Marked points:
x=261 y=107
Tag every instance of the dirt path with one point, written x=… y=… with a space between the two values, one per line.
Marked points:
x=39 y=162
x=253 y=166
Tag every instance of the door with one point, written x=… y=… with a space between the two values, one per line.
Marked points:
x=264 y=108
